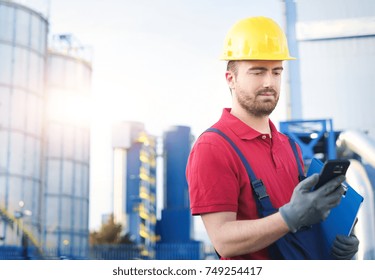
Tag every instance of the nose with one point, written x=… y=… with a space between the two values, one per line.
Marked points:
x=268 y=80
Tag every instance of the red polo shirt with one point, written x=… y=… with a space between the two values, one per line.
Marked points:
x=218 y=181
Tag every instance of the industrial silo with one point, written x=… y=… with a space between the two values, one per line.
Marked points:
x=67 y=155
x=23 y=39
x=176 y=224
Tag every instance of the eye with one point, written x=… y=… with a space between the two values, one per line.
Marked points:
x=257 y=73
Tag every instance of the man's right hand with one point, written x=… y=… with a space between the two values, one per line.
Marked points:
x=308 y=207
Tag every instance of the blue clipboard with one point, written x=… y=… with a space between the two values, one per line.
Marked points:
x=342 y=218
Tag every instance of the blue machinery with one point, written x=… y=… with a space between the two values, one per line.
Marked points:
x=316 y=138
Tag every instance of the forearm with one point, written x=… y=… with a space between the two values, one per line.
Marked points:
x=233 y=238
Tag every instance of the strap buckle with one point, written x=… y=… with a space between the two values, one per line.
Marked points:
x=301 y=178
x=259 y=189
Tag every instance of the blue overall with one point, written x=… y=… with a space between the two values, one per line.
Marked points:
x=306 y=243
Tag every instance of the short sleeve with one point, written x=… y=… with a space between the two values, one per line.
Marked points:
x=212 y=178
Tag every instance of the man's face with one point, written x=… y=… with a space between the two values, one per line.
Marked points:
x=256 y=86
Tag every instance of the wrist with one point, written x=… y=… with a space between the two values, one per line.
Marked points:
x=286 y=217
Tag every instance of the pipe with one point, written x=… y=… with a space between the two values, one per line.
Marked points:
x=365 y=228
x=358 y=142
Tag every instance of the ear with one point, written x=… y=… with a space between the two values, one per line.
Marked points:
x=229 y=76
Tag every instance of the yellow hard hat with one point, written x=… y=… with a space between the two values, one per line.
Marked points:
x=256 y=38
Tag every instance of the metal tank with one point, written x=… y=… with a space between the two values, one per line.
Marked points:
x=176 y=225
x=176 y=146
x=67 y=155
x=23 y=39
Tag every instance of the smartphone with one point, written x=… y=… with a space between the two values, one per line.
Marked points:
x=332 y=169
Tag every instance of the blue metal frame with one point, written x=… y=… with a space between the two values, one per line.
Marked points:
x=315 y=131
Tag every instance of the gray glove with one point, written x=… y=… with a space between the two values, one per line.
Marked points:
x=345 y=247
x=308 y=207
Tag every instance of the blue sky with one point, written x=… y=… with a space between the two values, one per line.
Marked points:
x=155 y=62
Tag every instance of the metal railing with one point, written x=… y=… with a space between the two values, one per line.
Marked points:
x=164 y=251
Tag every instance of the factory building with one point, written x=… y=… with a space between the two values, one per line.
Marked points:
x=45 y=135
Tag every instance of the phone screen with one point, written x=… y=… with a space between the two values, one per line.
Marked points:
x=332 y=169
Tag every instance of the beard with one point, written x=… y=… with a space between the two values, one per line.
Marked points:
x=256 y=106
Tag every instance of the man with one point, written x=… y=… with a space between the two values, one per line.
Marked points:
x=219 y=185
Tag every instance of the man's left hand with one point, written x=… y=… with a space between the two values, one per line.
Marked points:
x=345 y=247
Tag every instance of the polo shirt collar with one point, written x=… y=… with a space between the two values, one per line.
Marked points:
x=242 y=130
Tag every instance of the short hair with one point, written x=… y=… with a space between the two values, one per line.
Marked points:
x=233 y=67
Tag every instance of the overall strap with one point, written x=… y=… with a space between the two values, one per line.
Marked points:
x=300 y=170
x=263 y=202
